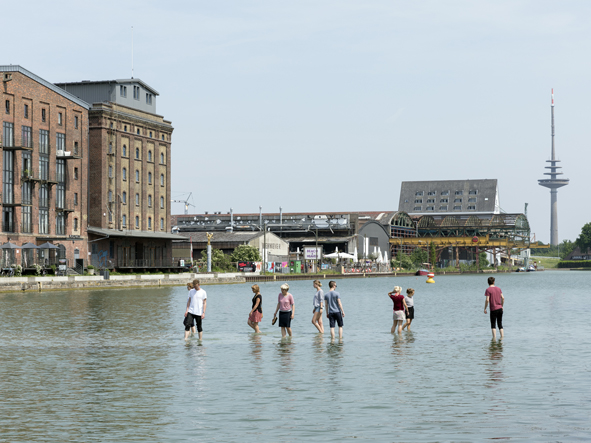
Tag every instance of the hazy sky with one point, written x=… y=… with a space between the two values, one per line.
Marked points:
x=329 y=105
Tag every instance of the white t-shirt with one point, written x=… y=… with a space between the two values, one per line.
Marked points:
x=196 y=297
x=409 y=301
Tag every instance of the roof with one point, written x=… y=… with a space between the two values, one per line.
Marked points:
x=134 y=234
x=221 y=237
x=449 y=196
x=54 y=88
x=106 y=82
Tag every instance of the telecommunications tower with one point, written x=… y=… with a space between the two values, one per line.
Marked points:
x=553 y=183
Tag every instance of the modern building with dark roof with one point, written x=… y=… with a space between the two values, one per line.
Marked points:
x=449 y=197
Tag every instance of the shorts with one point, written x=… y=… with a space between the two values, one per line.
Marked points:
x=335 y=317
x=317 y=309
x=496 y=316
x=285 y=319
x=256 y=317
x=189 y=322
x=399 y=316
x=411 y=313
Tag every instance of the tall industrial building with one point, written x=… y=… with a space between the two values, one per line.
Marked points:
x=553 y=183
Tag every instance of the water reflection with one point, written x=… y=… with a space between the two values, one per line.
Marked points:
x=318 y=345
x=285 y=351
x=256 y=350
x=494 y=368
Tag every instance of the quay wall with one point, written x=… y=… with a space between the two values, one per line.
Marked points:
x=73 y=282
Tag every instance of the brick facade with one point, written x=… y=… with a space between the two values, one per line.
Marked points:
x=30 y=102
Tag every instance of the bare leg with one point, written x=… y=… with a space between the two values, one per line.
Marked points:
x=193 y=329
x=289 y=331
x=340 y=332
x=332 y=333
x=494 y=333
x=317 y=322
x=201 y=335
x=187 y=335
x=502 y=333
x=399 y=326
x=408 y=324
x=256 y=327
x=320 y=322
x=253 y=325
x=393 y=330
x=283 y=331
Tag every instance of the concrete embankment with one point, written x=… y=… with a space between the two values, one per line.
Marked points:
x=72 y=282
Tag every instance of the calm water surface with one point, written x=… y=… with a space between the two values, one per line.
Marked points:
x=111 y=365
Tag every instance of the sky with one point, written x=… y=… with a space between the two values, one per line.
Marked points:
x=329 y=105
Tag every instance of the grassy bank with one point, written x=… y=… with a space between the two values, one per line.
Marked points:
x=548 y=263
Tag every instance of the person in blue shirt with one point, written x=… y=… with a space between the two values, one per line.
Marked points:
x=334 y=309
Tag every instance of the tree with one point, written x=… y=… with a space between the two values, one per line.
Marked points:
x=219 y=261
x=584 y=240
x=432 y=254
x=246 y=253
x=566 y=247
x=419 y=256
x=404 y=260
x=482 y=260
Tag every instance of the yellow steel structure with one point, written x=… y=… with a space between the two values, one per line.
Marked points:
x=483 y=242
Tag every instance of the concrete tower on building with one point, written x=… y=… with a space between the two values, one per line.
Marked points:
x=553 y=183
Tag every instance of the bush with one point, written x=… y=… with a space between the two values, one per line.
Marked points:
x=575 y=264
x=90 y=267
x=246 y=253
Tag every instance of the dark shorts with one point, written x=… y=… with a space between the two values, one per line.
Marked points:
x=285 y=319
x=189 y=323
x=335 y=317
x=496 y=317
x=411 y=313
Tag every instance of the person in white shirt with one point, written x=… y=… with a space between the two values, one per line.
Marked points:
x=196 y=306
x=410 y=303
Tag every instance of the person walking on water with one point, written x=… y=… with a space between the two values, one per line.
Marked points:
x=410 y=304
x=399 y=309
x=494 y=297
x=318 y=307
x=334 y=309
x=195 y=311
x=286 y=308
x=256 y=313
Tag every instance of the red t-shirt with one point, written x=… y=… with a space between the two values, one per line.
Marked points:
x=494 y=297
x=398 y=302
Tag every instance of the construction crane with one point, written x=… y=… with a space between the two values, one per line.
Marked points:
x=185 y=202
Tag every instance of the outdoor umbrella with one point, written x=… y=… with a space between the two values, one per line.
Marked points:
x=339 y=255
x=47 y=245
x=8 y=246
x=27 y=246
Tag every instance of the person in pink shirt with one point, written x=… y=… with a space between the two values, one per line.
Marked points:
x=400 y=309
x=286 y=308
x=494 y=297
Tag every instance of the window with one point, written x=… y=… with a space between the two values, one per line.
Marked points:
x=419 y=193
x=124 y=174
x=124 y=220
x=137 y=153
x=418 y=200
x=77 y=150
x=75 y=199
x=162 y=158
x=59 y=118
x=111 y=125
x=43 y=209
x=110 y=196
x=60 y=142
x=43 y=117
x=149 y=222
x=123 y=91
x=75 y=224
x=137 y=175
x=136 y=92
x=150 y=134
x=149 y=178
x=473 y=192
x=161 y=202
x=110 y=217
x=124 y=128
x=43 y=154
x=161 y=179
x=417 y=208
x=472 y=200
x=124 y=198
x=444 y=200
x=443 y=208
x=459 y=192
x=110 y=171
x=162 y=136
x=457 y=208
x=431 y=193
x=471 y=207
x=148 y=99
x=7 y=106
x=26 y=111
x=162 y=224
x=137 y=199
x=124 y=152
x=76 y=173
x=137 y=222
x=149 y=156
x=137 y=131
x=76 y=122
x=444 y=192
x=430 y=200
x=27 y=137
x=110 y=147
x=149 y=201
x=430 y=208
x=8 y=134
x=457 y=200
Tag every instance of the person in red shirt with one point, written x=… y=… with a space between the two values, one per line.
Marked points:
x=495 y=297
x=400 y=309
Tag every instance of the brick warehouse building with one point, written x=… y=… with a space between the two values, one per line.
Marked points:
x=44 y=166
x=129 y=175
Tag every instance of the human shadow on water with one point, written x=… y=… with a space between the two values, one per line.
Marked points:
x=318 y=345
x=494 y=368
x=256 y=347
x=285 y=349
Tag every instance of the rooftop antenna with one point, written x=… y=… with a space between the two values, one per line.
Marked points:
x=132 y=52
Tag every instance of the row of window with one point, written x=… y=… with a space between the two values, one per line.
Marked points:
x=444 y=208
x=137 y=153
x=137 y=221
x=421 y=193
x=137 y=175
x=60 y=115
x=27 y=139
x=136 y=93
x=137 y=199
x=138 y=131
x=444 y=200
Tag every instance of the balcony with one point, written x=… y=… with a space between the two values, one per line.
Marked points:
x=27 y=176
x=67 y=208
x=68 y=155
x=17 y=148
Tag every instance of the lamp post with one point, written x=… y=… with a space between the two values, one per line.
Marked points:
x=265 y=247
x=209 y=237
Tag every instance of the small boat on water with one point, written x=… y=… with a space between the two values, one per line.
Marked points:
x=531 y=268
x=425 y=270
